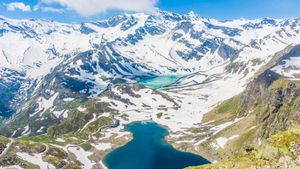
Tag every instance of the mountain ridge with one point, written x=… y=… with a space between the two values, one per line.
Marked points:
x=74 y=80
x=121 y=55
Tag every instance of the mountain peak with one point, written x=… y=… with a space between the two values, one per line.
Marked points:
x=193 y=14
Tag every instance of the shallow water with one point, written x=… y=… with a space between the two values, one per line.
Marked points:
x=149 y=150
x=159 y=81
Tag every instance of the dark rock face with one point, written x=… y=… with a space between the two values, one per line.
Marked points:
x=274 y=100
x=226 y=30
x=86 y=30
x=2 y=147
x=236 y=67
x=295 y=148
x=10 y=87
x=256 y=90
x=282 y=109
x=8 y=160
x=226 y=51
x=152 y=27
x=129 y=23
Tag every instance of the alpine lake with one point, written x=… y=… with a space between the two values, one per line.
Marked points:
x=148 y=148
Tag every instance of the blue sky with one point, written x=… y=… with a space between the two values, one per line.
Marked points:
x=84 y=10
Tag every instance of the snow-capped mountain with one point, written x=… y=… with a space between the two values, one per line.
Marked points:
x=79 y=84
x=52 y=62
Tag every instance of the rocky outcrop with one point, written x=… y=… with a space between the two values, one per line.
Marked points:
x=279 y=151
x=269 y=110
x=275 y=102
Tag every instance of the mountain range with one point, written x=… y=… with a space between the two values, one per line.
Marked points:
x=236 y=81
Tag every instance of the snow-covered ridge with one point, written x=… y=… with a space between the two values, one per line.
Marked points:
x=49 y=69
x=27 y=45
x=59 y=61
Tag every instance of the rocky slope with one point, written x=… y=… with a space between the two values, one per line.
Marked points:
x=279 y=151
x=270 y=104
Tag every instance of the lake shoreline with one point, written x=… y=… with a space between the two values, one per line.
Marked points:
x=165 y=139
x=158 y=82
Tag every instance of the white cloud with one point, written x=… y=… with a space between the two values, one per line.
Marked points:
x=93 y=7
x=18 y=5
x=50 y=9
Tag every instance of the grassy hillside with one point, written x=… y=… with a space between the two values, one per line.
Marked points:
x=282 y=149
x=267 y=107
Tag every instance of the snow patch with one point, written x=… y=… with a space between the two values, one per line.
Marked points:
x=222 y=141
x=35 y=159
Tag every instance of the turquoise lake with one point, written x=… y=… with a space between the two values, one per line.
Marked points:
x=149 y=150
x=159 y=81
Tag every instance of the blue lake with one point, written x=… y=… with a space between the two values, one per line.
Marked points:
x=159 y=81
x=149 y=150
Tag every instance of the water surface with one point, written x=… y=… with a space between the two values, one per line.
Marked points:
x=159 y=81
x=149 y=150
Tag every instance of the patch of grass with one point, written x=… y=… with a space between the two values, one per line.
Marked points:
x=29 y=147
x=93 y=106
x=229 y=106
x=57 y=162
x=265 y=155
x=283 y=140
x=73 y=166
x=158 y=115
x=98 y=135
x=282 y=83
x=4 y=140
x=57 y=152
x=69 y=105
x=245 y=139
x=75 y=121
x=226 y=111
x=27 y=165
x=98 y=124
x=81 y=136
x=86 y=146
x=200 y=130
x=38 y=139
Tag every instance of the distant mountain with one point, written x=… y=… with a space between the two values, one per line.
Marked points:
x=58 y=78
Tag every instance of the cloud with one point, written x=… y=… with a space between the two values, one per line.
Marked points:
x=93 y=7
x=50 y=9
x=18 y=5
